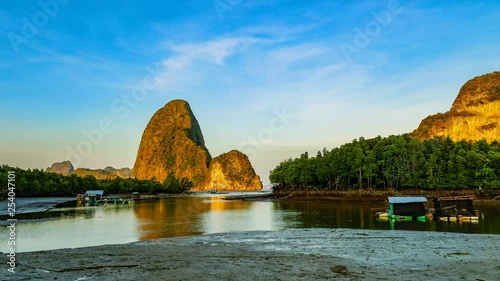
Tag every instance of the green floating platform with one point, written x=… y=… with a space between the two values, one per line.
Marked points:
x=408 y=218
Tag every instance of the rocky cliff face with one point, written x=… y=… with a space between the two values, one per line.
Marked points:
x=172 y=143
x=64 y=168
x=233 y=170
x=474 y=115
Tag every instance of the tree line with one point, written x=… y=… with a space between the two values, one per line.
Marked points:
x=394 y=162
x=36 y=182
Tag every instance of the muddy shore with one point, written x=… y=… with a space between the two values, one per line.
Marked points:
x=293 y=254
x=364 y=195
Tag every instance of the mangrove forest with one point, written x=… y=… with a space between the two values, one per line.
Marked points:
x=394 y=162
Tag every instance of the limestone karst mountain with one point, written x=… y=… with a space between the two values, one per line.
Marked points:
x=64 y=168
x=233 y=170
x=474 y=115
x=172 y=143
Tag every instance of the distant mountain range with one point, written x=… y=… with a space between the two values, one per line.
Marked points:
x=66 y=168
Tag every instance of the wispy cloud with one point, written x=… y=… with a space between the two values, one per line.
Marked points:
x=291 y=54
x=278 y=30
x=213 y=51
x=185 y=59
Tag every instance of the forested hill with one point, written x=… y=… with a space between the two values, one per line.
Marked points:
x=394 y=162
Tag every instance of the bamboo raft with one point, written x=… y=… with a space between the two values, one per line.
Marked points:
x=456 y=209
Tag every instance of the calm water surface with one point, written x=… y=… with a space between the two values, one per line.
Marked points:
x=195 y=215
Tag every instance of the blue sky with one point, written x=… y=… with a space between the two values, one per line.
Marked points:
x=272 y=78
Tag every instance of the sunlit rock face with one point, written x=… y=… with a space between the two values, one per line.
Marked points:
x=233 y=170
x=173 y=143
x=474 y=115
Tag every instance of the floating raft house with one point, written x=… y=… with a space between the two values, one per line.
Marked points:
x=407 y=208
x=96 y=194
x=95 y=197
x=455 y=208
x=90 y=197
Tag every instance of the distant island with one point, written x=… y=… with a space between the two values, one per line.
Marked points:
x=66 y=168
x=172 y=158
x=172 y=145
x=457 y=150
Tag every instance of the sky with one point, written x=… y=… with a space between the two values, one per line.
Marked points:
x=79 y=80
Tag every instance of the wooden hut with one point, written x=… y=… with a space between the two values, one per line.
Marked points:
x=94 y=194
x=455 y=208
x=407 y=208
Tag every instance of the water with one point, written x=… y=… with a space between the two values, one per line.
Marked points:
x=196 y=215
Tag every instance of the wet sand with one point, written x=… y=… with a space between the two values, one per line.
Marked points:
x=293 y=254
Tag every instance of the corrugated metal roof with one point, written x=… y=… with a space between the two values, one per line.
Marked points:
x=402 y=200
x=92 y=192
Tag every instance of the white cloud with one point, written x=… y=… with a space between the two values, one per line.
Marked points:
x=290 y=54
x=278 y=31
x=216 y=51
x=187 y=58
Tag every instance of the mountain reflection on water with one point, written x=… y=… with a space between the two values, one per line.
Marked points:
x=195 y=215
x=183 y=216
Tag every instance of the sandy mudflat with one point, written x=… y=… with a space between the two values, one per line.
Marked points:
x=294 y=254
